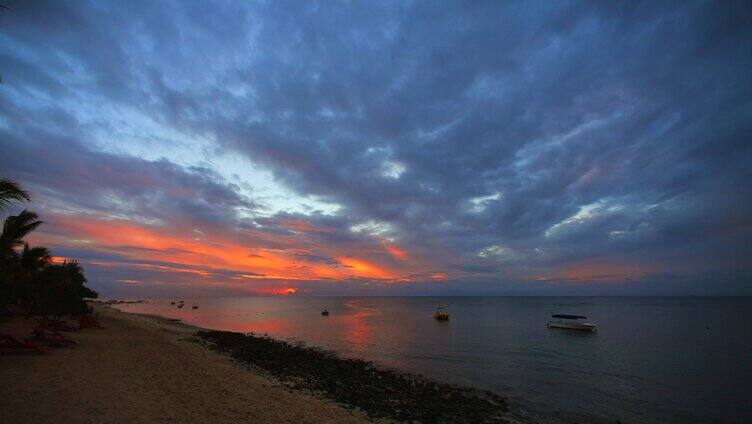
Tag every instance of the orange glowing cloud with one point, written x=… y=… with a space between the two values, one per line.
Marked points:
x=252 y=255
x=284 y=291
x=396 y=251
x=299 y=225
x=365 y=268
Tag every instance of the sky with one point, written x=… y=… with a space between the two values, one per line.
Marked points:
x=385 y=148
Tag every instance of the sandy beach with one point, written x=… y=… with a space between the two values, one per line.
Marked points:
x=143 y=369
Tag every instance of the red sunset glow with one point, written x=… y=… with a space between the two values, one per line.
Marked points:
x=248 y=254
x=599 y=271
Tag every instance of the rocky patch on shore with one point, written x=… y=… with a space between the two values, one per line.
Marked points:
x=381 y=393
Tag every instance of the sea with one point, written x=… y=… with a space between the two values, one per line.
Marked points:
x=652 y=359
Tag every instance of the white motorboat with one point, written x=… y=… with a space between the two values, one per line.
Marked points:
x=570 y=322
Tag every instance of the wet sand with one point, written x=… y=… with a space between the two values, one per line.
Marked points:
x=144 y=369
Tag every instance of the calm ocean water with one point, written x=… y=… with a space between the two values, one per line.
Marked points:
x=652 y=359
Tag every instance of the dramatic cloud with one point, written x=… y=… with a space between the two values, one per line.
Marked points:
x=390 y=147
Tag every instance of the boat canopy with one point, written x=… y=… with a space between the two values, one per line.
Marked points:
x=567 y=316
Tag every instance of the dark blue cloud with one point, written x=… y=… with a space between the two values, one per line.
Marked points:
x=508 y=141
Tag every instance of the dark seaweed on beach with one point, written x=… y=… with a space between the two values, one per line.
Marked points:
x=381 y=393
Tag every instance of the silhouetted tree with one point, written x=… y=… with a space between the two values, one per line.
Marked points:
x=35 y=258
x=28 y=276
x=15 y=228
x=60 y=289
x=11 y=192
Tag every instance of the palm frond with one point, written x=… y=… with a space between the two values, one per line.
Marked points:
x=11 y=192
x=16 y=227
x=35 y=258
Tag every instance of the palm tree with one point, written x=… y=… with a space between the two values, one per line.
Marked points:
x=11 y=192
x=35 y=258
x=16 y=227
x=29 y=277
x=61 y=288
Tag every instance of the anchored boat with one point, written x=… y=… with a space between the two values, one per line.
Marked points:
x=441 y=314
x=325 y=312
x=570 y=322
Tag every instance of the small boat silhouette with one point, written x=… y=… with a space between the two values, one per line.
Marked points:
x=571 y=322
x=325 y=312
x=195 y=305
x=441 y=314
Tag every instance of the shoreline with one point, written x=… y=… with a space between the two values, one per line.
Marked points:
x=207 y=375
x=351 y=382
x=146 y=369
x=359 y=384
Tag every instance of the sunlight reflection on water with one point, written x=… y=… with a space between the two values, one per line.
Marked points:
x=645 y=363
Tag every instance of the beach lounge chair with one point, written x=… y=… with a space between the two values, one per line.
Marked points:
x=52 y=340
x=87 y=321
x=56 y=325
x=5 y=312
x=21 y=311
x=10 y=345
